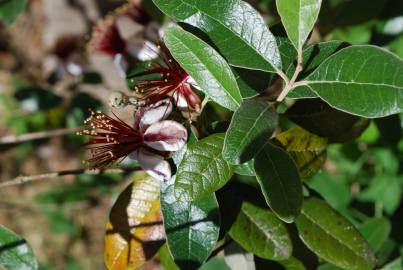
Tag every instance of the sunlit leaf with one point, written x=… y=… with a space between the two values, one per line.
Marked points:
x=236 y=29
x=15 y=253
x=203 y=170
x=134 y=232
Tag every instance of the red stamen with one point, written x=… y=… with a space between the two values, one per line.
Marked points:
x=173 y=80
x=113 y=140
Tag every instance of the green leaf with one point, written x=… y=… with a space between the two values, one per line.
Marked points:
x=206 y=67
x=245 y=169
x=307 y=150
x=279 y=180
x=203 y=170
x=214 y=264
x=15 y=253
x=292 y=264
x=298 y=18
x=259 y=231
x=332 y=237
x=389 y=187
x=252 y=82
x=192 y=228
x=166 y=260
x=376 y=231
x=312 y=57
x=10 y=9
x=361 y=80
x=235 y=28
x=318 y=117
x=251 y=126
x=394 y=265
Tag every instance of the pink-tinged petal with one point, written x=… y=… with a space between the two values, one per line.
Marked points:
x=166 y=136
x=154 y=165
x=153 y=113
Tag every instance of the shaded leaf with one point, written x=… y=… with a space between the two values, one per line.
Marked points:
x=251 y=126
x=215 y=263
x=206 y=67
x=15 y=253
x=298 y=18
x=236 y=29
x=252 y=82
x=259 y=231
x=307 y=150
x=279 y=180
x=319 y=118
x=134 y=232
x=332 y=237
x=354 y=81
x=376 y=231
x=192 y=228
x=203 y=170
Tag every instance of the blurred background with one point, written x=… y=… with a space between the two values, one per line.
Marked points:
x=49 y=79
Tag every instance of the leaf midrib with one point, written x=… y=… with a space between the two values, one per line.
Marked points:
x=213 y=75
x=237 y=35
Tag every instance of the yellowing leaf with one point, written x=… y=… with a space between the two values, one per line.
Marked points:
x=307 y=149
x=134 y=232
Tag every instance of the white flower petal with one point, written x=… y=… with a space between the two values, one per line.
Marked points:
x=154 y=165
x=154 y=113
x=121 y=65
x=166 y=136
x=180 y=101
x=192 y=82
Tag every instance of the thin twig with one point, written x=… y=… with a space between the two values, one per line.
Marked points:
x=22 y=179
x=291 y=84
x=11 y=139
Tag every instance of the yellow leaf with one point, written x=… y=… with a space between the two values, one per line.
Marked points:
x=134 y=232
x=307 y=149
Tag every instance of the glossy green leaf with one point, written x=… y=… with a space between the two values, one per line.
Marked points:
x=298 y=18
x=259 y=231
x=312 y=57
x=206 y=67
x=236 y=29
x=361 y=80
x=376 y=231
x=245 y=169
x=280 y=182
x=332 y=237
x=251 y=126
x=192 y=228
x=15 y=253
x=10 y=9
x=307 y=150
x=203 y=170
